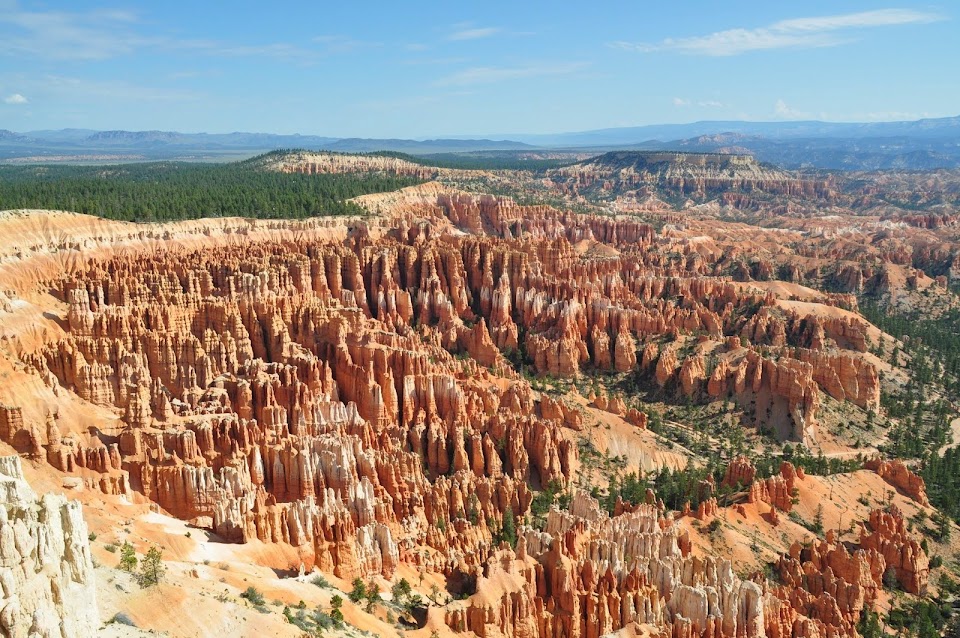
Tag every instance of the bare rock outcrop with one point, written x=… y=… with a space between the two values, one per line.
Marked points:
x=46 y=571
x=887 y=535
x=589 y=575
x=776 y=490
x=897 y=474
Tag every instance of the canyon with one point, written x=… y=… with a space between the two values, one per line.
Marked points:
x=385 y=396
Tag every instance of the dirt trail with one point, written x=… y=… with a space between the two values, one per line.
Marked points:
x=954 y=436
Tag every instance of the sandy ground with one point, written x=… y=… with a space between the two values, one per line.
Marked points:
x=615 y=437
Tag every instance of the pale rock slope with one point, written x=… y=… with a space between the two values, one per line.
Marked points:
x=46 y=572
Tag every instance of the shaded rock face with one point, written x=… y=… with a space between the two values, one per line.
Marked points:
x=46 y=572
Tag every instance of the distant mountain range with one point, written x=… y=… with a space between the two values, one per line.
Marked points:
x=834 y=153
x=918 y=129
x=59 y=144
x=917 y=145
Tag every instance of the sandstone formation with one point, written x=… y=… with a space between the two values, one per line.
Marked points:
x=887 y=535
x=833 y=584
x=776 y=490
x=46 y=573
x=363 y=390
x=589 y=574
x=332 y=163
x=899 y=475
x=695 y=175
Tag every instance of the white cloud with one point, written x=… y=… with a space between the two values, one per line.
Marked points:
x=812 y=32
x=72 y=88
x=681 y=102
x=334 y=44
x=782 y=110
x=473 y=33
x=16 y=98
x=93 y=35
x=104 y=34
x=877 y=18
x=490 y=75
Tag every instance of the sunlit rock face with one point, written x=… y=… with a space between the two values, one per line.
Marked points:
x=46 y=571
x=359 y=390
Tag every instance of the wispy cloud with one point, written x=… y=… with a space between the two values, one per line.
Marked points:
x=93 y=35
x=338 y=44
x=103 y=34
x=415 y=101
x=272 y=50
x=73 y=88
x=684 y=102
x=812 y=32
x=434 y=61
x=491 y=75
x=782 y=110
x=16 y=98
x=469 y=33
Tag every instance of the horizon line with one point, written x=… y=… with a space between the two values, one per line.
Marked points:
x=495 y=137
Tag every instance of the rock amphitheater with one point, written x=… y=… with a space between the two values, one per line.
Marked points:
x=340 y=397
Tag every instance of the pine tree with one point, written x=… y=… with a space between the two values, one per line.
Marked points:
x=373 y=596
x=869 y=625
x=509 y=531
x=359 y=591
x=128 y=557
x=943 y=526
x=335 y=613
x=152 y=569
x=401 y=590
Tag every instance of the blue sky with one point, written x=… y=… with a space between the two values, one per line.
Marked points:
x=427 y=69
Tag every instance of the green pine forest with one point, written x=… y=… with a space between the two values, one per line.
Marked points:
x=932 y=356
x=162 y=191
